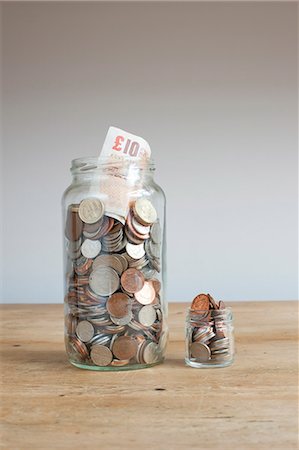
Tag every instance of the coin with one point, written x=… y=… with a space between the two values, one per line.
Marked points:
x=132 y=280
x=74 y=224
x=84 y=331
x=157 y=284
x=78 y=347
x=200 y=351
x=101 y=355
x=124 y=347
x=110 y=261
x=200 y=303
x=90 y=249
x=118 y=305
x=104 y=281
x=147 y=315
x=156 y=232
x=151 y=353
x=141 y=229
x=135 y=251
x=91 y=210
x=147 y=294
x=123 y=320
x=145 y=211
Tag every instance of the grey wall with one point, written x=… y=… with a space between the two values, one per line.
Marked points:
x=212 y=87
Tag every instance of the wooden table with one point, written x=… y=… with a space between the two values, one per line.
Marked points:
x=49 y=404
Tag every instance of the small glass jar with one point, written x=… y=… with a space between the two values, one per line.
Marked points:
x=114 y=266
x=209 y=338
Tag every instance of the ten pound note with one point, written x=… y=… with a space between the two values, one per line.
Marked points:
x=123 y=155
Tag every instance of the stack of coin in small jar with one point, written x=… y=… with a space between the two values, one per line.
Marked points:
x=113 y=312
x=209 y=331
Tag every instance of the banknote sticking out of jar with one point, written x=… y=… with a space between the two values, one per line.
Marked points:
x=114 y=258
x=209 y=333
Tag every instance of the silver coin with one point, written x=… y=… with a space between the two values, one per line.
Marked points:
x=108 y=261
x=84 y=331
x=200 y=351
x=219 y=344
x=154 y=249
x=91 y=249
x=104 y=281
x=123 y=320
x=141 y=229
x=91 y=210
x=145 y=211
x=156 y=232
x=135 y=251
x=147 y=315
x=151 y=353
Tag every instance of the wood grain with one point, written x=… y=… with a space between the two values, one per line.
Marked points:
x=48 y=404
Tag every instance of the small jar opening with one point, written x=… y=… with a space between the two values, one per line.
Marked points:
x=92 y=164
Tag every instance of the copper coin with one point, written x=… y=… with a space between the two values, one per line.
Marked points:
x=200 y=351
x=120 y=362
x=78 y=346
x=201 y=303
x=74 y=225
x=132 y=280
x=125 y=347
x=101 y=355
x=134 y=231
x=147 y=294
x=157 y=284
x=118 y=305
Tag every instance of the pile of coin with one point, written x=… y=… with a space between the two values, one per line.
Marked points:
x=114 y=315
x=209 y=331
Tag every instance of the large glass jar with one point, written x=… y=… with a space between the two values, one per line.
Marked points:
x=114 y=266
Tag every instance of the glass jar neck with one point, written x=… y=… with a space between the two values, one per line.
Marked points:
x=88 y=170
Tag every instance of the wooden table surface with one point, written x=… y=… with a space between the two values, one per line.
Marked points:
x=49 y=404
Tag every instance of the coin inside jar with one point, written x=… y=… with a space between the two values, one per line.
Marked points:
x=125 y=347
x=132 y=280
x=147 y=294
x=100 y=355
x=135 y=251
x=144 y=211
x=200 y=351
x=104 y=281
x=90 y=248
x=118 y=305
x=147 y=315
x=200 y=303
x=91 y=210
x=74 y=224
x=84 y=331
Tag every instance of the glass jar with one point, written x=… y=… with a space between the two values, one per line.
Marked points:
x=209 y=338
x=114 y=266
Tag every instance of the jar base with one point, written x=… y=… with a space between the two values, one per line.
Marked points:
x=211 y=365
x=115 y=368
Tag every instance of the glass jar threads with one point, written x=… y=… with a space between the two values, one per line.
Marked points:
x=114 y=260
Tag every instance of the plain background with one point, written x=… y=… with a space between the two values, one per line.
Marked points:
x=212 y=87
